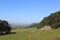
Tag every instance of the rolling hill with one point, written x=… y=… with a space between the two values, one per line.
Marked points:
x=52 y=20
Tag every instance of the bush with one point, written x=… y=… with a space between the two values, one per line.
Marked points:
x=55 y=25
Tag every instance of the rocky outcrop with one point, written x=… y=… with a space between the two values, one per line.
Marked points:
x=46 y=28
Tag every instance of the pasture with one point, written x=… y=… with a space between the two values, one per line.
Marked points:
x=31 y=34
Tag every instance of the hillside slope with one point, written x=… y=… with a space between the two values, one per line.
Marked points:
x=52 y=20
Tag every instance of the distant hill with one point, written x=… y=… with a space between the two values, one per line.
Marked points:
x=32 y=25
x=52 y=20
x=19 y=25
x=24 y=25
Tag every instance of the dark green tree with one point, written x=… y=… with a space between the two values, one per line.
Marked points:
x=4 y=27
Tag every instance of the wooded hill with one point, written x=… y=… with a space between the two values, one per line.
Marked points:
x=52 y=20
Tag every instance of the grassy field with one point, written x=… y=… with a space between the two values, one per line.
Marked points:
x=31 y=34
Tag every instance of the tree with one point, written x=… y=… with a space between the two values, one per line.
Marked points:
x=4 y=27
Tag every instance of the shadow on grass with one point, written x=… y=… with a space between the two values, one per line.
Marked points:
x=12 y=33
x=8 y=33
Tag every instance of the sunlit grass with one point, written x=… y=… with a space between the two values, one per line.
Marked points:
x=31 y=34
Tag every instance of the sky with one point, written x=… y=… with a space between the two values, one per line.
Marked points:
x=27 y=11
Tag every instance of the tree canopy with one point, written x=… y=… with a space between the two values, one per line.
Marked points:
x=4 y=27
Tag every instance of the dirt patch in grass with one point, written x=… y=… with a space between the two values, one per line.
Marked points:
x=57 y=38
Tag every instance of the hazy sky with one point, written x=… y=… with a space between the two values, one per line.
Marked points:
x=27 y=11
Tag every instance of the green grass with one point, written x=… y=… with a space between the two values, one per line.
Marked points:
x=31 y=34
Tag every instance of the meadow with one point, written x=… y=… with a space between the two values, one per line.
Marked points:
x=31 y=34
